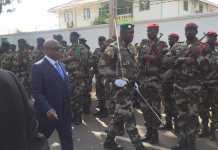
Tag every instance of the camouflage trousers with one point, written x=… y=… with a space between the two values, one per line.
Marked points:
x=78 y=98
x=209 y=104
x=152 y=94
x=187 y=117
x=100 y=93
x=151 y=121
x=124 y=119
x=87 y=99
x=110 y=92
x=169 y=104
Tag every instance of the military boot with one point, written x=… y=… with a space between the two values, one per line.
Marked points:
x=110 y=144
x=154 y=137
x=204 y=132
x=148 y=135
x=140 y=147
x=212 y=134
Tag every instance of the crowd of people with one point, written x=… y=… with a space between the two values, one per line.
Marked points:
x=183 y=76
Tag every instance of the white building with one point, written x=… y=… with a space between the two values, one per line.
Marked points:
x=83 y=13
x=206 y=22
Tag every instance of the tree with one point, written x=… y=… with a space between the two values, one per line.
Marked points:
x=103 y=17
x=6 y=2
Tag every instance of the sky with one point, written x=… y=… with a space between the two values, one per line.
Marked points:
x=29 y=15
x=32 y=15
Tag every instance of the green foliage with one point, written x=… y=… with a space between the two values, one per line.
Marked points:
x=103 y=15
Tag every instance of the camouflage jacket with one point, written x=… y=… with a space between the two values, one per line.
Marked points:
x=37 y=55
x=25 y=61
x=79 y=66
x=9 y=61
x=211 y=65
x=95 y=59
x=187 y=67
x=109 y=62
x=150 y=57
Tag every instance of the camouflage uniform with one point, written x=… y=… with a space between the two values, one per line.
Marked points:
x=187 y=88
x=124 y=113
x=100 y=87
x=25 y=61
x=150 y=57
x=209 y=98
x=167 y=87
x=79 y=74
x=37 y=55
x=9 y=61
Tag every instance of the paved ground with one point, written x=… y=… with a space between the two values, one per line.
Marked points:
x=91 y=135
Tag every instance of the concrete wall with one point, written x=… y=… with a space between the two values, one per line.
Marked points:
x=205 y=22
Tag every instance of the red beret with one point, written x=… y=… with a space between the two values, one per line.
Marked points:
x=212 y=33
x=152 y=25
x=191 y=25
x=174 y=35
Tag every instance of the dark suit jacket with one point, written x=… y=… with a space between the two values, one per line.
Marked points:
x=15 y=114
x=50 y=91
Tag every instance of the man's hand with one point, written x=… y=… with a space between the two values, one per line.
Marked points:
x=52 y=115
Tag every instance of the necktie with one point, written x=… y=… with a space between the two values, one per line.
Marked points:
x=60 y=70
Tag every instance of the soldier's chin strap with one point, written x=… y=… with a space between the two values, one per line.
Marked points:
x=147 y=103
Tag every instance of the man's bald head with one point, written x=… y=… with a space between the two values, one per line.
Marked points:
x=50 y=44
x=52 y=49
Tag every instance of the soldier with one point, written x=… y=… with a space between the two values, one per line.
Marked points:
x=25 y=61
x=172 y=39
x=210 y=91
x=150 y=57
x=61 y=40
x=83 y=42
x=87 y=104
x=8 y=58
x=58 y=37
x=100 y=88
x=13 y=47
x=186 y=78
x=78 y=65
x=38 y=52
x=167 y=87
x=121 y=63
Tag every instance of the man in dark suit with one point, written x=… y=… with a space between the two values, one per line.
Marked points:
x=50 y=89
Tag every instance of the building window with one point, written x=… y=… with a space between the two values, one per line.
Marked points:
x=87 y=13
x=124 y=7
x=201 y=7
x=68 y=16
x=185 y=5
x=144 y=5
